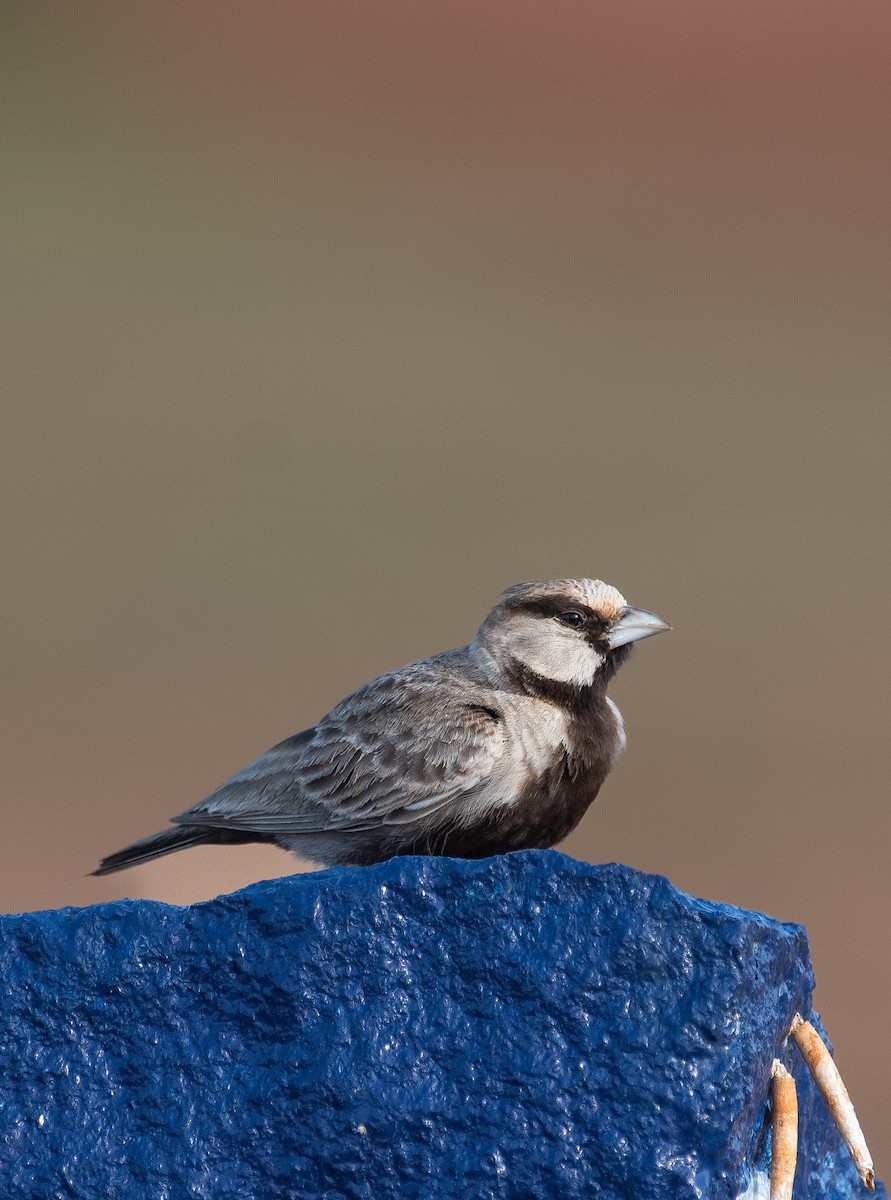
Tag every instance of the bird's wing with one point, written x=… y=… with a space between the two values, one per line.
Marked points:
x=392 y=753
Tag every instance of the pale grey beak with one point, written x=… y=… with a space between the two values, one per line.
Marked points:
x=634 y=624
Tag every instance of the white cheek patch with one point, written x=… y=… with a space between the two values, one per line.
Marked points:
x=553 y=652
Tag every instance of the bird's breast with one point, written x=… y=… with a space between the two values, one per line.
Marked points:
x=566 y=756
x=540 y=732
x=545 y=735
x=550 y=769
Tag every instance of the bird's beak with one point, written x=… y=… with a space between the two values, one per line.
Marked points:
x=634 y=624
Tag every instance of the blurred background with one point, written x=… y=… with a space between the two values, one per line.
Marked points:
x=323 y=323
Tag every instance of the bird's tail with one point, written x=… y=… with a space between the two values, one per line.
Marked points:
x=154 y=847
x=178 y=838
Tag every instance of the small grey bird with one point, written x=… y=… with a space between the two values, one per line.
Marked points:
x=497 y=746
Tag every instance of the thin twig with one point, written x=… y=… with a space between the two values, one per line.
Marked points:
x=784 y=1129
x=835 y=1095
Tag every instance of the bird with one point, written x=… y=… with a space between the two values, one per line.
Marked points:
x=497 y=746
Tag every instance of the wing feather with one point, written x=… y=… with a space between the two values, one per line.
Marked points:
x=391 y=754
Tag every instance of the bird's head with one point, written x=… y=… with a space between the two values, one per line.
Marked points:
x=569 y=632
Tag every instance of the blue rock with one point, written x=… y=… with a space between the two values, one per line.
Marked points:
x=522 y=1027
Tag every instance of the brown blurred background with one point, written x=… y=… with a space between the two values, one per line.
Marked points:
x=324 y=323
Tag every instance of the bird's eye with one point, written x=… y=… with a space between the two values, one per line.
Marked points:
x=571 y=618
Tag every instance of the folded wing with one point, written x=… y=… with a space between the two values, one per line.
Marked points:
x=391 y=754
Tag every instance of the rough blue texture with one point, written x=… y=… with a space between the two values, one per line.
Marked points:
x=522 y=1027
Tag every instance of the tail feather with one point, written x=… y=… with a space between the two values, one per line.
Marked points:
x=154 y=847
x=180 y=837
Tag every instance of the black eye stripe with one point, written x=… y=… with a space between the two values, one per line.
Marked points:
x=556 y=607
x=571 y=617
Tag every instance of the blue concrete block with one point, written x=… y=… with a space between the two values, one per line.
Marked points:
x=520 y=1028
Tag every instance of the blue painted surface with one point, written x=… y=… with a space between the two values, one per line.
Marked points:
x=521 y=1027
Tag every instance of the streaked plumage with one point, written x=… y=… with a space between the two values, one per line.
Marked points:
x=496 y=746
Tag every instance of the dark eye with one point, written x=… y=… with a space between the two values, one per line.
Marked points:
x=572 y=618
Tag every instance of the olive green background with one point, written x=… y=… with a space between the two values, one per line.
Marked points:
x=324 y=323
